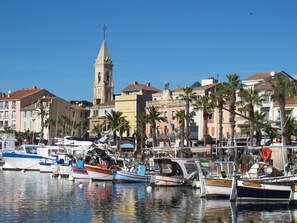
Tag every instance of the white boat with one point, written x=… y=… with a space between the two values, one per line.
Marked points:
x=99 y=172
x=175 y=171
x=215 y=179
x=26 y=157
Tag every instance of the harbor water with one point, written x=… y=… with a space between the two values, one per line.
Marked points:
x=39 y=197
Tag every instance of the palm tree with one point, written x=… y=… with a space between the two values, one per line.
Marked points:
x=249 y=99
x=153 y=117
x=206 y=104
x=220 y=96
x=181 y=117
x=64 y=121
x=115 y=120
x=50 y=123
x=188 y=96
x=141 y=120
x=234 y=84
x=259 y=118
x=42 y=111
x=282 y=87
x=98 y=129
x=124 y=126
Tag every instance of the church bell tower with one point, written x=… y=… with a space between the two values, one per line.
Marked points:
x=103 y=84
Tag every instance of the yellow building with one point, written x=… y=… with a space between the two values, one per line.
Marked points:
x=132 y=101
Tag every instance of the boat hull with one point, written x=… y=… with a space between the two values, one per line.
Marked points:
x=99 y=173
x=61 y=170
x=80 y=173
x=45 y=167
x=124 y=176
x=161 y=180
x=259 y=191
x=217 y=188
x=15 y=161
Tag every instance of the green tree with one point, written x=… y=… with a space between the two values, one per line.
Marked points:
x=124 y=126
x=233 y=85
x=42 y=111
x=249 y=99
x=98 y=129
x=181 y=117
x=282 y=87
x=206 y=105
x=153 y=117
x=188 y=96
x=64 y=123
x=115 y=120
x=220 y=96
x=141 y=120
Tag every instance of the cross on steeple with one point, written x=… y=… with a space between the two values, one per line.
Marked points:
x=104 y=28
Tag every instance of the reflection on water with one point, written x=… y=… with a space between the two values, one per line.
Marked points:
x=36 y=197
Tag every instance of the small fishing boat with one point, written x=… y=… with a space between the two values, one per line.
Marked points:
x=79 y=172
x=175 y=171
x=99 y=172
x=258 y=190
x=215 y=179
x=127 y=176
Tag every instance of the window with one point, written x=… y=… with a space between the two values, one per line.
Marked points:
x=1 y=125
x=1 y=115
x=173 y=115
x=13 y=105
x=6 y=115
x=13 y=115
x=13 y=124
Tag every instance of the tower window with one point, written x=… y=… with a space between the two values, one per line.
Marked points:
x=99 y=77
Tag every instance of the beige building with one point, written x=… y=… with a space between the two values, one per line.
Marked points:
x=60 y=118
x=103 y=84
x=98 y=115
x=169 y=103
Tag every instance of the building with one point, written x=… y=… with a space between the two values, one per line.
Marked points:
x=11 y=105
x=132 y=101
x=103 y=81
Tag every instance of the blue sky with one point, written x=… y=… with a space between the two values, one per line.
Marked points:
x=53 y=44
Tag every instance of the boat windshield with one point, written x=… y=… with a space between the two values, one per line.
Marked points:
x=31 y=149
x=190 y=167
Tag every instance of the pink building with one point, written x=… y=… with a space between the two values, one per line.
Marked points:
x=12 y=103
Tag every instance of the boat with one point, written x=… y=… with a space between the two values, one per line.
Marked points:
x=99 y=172
x=131 y=176
x=244 y=190
x=78 y=171
x=26 y=157
x=46 y=166
x=175 y=171
x=215 y=179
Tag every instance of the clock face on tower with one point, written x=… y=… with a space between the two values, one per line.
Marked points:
x=165 y=94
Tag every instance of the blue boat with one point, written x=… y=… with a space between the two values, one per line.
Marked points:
x=137 y=177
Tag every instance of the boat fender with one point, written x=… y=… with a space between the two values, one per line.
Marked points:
x=149 y=189
x=266 y=153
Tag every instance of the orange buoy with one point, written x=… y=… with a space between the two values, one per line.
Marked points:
x=266 y=153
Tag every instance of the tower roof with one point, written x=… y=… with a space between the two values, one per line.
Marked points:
x=103 y=53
